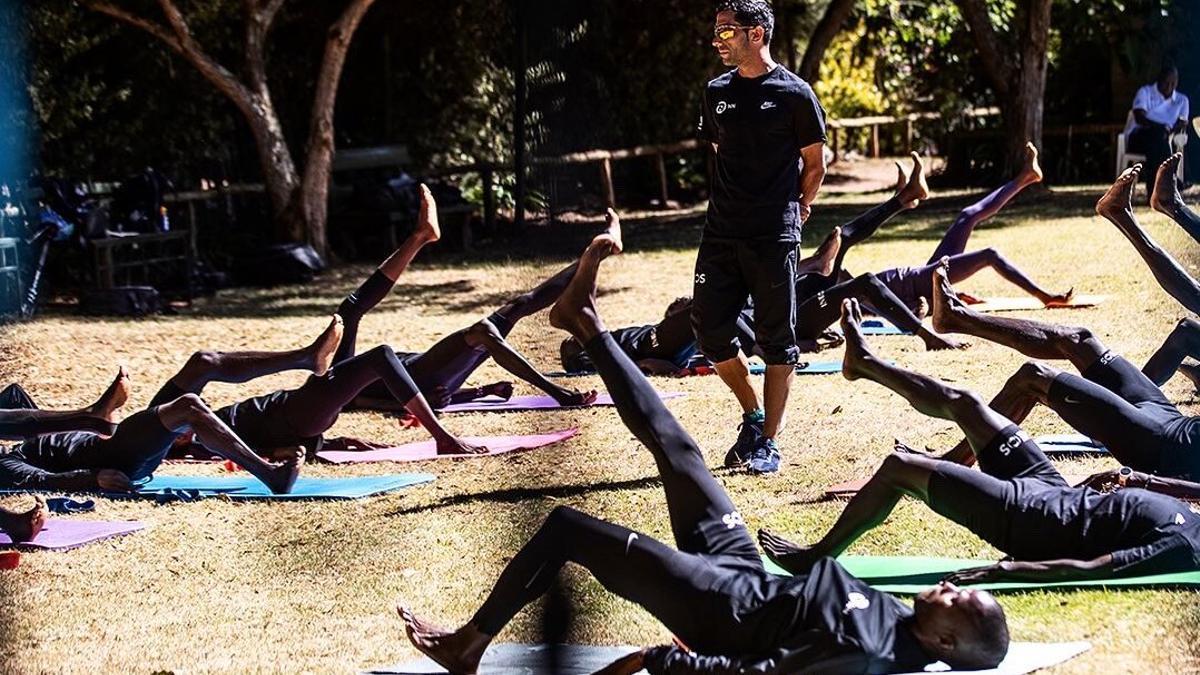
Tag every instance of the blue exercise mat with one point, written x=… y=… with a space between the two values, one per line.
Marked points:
x=803 y=368
x=186 y=488
x=881 y=327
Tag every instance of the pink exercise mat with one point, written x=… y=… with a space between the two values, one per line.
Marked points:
x=533 y=402
x=67 y=534
x=414 y=452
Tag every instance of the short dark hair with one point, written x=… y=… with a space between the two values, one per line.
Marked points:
x=751 y=13
x=1168 y=68
x=985 y=642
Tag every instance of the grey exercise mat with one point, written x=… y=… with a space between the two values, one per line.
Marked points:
x=514 y=659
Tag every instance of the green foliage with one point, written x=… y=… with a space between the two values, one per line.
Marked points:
x=847 y=86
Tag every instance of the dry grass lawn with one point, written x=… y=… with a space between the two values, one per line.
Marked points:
x=310 y=587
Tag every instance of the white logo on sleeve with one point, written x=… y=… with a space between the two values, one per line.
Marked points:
x=856 y=601
x=629 y=542
x=732 y=520
x=767 y=105
x=1179 y=519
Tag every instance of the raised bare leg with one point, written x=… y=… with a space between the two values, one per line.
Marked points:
x=1117 y=207
x=1167 y=200
x=1032 y=338
x=1184 y=341
x=955 y=240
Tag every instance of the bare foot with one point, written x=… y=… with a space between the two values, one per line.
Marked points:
x=1031 y=170
x=113 y=398
x=503 y=390
x=570 y=398
x=457 y=651
x=901 y=179
x=1166 y=198
x=613 y=230
x=791 y=557
x=454 y=446
x=575 y=311
x=326 y=345
x=24 y=525
x=1060 y=300
x=935 y=342
x=916 y=189
x=821 y=262
x=947 y=307
x=282 y=476
x=1118 y=200
x=428 y=229
x=858 y=356
x=1192 y=373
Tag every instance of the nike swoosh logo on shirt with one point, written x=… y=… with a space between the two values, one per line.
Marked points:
x=1068 y=399
x=629 y=542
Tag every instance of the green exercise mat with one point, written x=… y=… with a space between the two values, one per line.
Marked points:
x=909 y=575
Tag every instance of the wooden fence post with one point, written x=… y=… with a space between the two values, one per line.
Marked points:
x=661 y=164
x=610 y=197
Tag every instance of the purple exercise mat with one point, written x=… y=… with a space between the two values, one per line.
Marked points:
x=61 y=535
x=535 y=402
x=412 y=452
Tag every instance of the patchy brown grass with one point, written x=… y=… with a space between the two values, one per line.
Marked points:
x=220 y=587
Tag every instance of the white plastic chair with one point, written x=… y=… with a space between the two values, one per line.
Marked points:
x=1125 y=159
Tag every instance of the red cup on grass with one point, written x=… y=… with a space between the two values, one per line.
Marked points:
x=9 y=560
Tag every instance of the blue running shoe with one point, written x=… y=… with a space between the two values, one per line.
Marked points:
x=764 y=458
x=749 y=431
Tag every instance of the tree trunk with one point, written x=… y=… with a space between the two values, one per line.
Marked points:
x=1024 y=112
x=826 y=30
x=280 y=179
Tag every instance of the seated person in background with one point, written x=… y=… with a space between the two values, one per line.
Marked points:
x=712 y=590
x=1018 y=502
x=1159 y=112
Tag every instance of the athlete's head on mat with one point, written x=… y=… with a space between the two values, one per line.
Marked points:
x=963 y=627
x=680 y=304
x=743 y=29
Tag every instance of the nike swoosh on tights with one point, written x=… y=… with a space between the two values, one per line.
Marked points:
x=629 y=542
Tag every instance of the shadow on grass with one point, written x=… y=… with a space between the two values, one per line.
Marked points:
x=561 y=242
x=518 y=495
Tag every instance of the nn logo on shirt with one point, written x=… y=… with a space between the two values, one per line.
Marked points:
x=722 y=106
x=856 y=601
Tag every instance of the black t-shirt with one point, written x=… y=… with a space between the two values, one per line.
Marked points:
x=62 y=461
x=759 y=126
x=1146 y=532
x=826 y=621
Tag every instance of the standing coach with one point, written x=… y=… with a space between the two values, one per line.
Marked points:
x=768 y=131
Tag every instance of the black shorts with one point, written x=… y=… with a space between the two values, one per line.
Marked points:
x=1117 y=405
x=729 y=271
x=992 y=503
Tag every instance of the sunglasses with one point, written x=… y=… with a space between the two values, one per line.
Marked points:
x=727 y=31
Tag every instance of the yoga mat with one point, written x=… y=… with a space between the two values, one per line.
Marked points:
x=1069 y=445
x=909 y=575
x=534 y=402
x=413 y=452
x=514 y=659
x=878 y=326
x=851 y=487
x=804 y=368
x=165 y=488
x=1029 y=302
x=62 y=535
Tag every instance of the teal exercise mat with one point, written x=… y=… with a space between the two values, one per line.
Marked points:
x=878 y=326
x=909 y=575
x=1069 y=445
x=248 y=487
x=803 y=368
x=514 y=659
